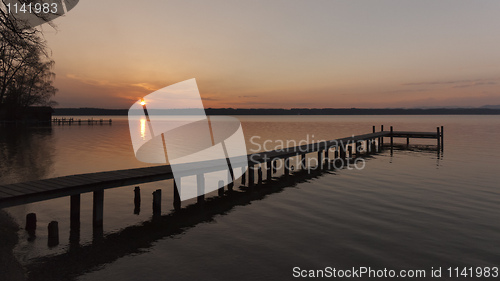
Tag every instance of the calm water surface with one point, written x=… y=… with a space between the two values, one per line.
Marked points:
x=411 y=210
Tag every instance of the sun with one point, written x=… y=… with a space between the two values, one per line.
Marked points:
x=143 y=102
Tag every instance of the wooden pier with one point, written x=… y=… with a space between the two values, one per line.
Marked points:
x=72 y=121
x=341 y=149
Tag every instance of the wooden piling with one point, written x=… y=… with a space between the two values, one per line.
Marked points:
x=259 y=176
x=381 y=138
x=230 y=179
x=269 y=175
x=53 y=229
x=243 y=176
x=251 y=175
x=287 y=166
x=320 y=159
x=220 y=191
x=392 y=138
x=373 y=129
x=98 y=209
x=200 y=179
x=157 y=202
x=303 y=162
x=30 y=222
x=74 y=211
x=177 y=196
x=326 y=157
x=442 y=137
x=438 y=138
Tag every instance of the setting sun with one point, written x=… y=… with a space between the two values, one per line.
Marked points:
x=143 y=102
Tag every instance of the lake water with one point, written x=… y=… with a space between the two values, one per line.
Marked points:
x=409 y=211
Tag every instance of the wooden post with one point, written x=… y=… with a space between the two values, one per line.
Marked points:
x=442 y=137
x=326 y=154
x=157 y=202
x=407 y=142
x=251 y=175
x=30 y=222
x=303 y=162
x=274 y=166
x=287 y=166
x=177 y=194
x=98 y=209
x=373 y=129
x=320 y=159
x=438 y=138
x=336 y=153
x=230 y=179
x=220 y=191
x=53 y=234
x=243 y=175
x=74 y=211
x=351 y=148
x=259 y=176
x=200 y=179
x=392 y=138
x=269 y=175
x=381 y=138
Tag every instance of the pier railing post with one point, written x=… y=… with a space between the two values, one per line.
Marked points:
x=98 y=209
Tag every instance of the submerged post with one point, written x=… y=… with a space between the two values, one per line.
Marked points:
x=53 y=234
x=177 y=196
x=30 y=222
x=98 y=209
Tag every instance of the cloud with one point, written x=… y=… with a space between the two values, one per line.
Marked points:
x=466 y=83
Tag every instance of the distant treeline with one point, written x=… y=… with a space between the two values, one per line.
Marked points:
x=301 y=111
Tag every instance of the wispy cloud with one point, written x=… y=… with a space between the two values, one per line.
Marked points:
x=456 y=83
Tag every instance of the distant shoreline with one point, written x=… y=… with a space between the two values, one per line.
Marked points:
x=297 y=111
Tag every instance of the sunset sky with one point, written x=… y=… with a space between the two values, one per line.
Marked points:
x=280 y=53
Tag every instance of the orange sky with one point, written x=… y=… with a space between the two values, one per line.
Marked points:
x=280 y=53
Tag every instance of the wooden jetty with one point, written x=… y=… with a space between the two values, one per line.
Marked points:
x=74 y=185
x=89 y=121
